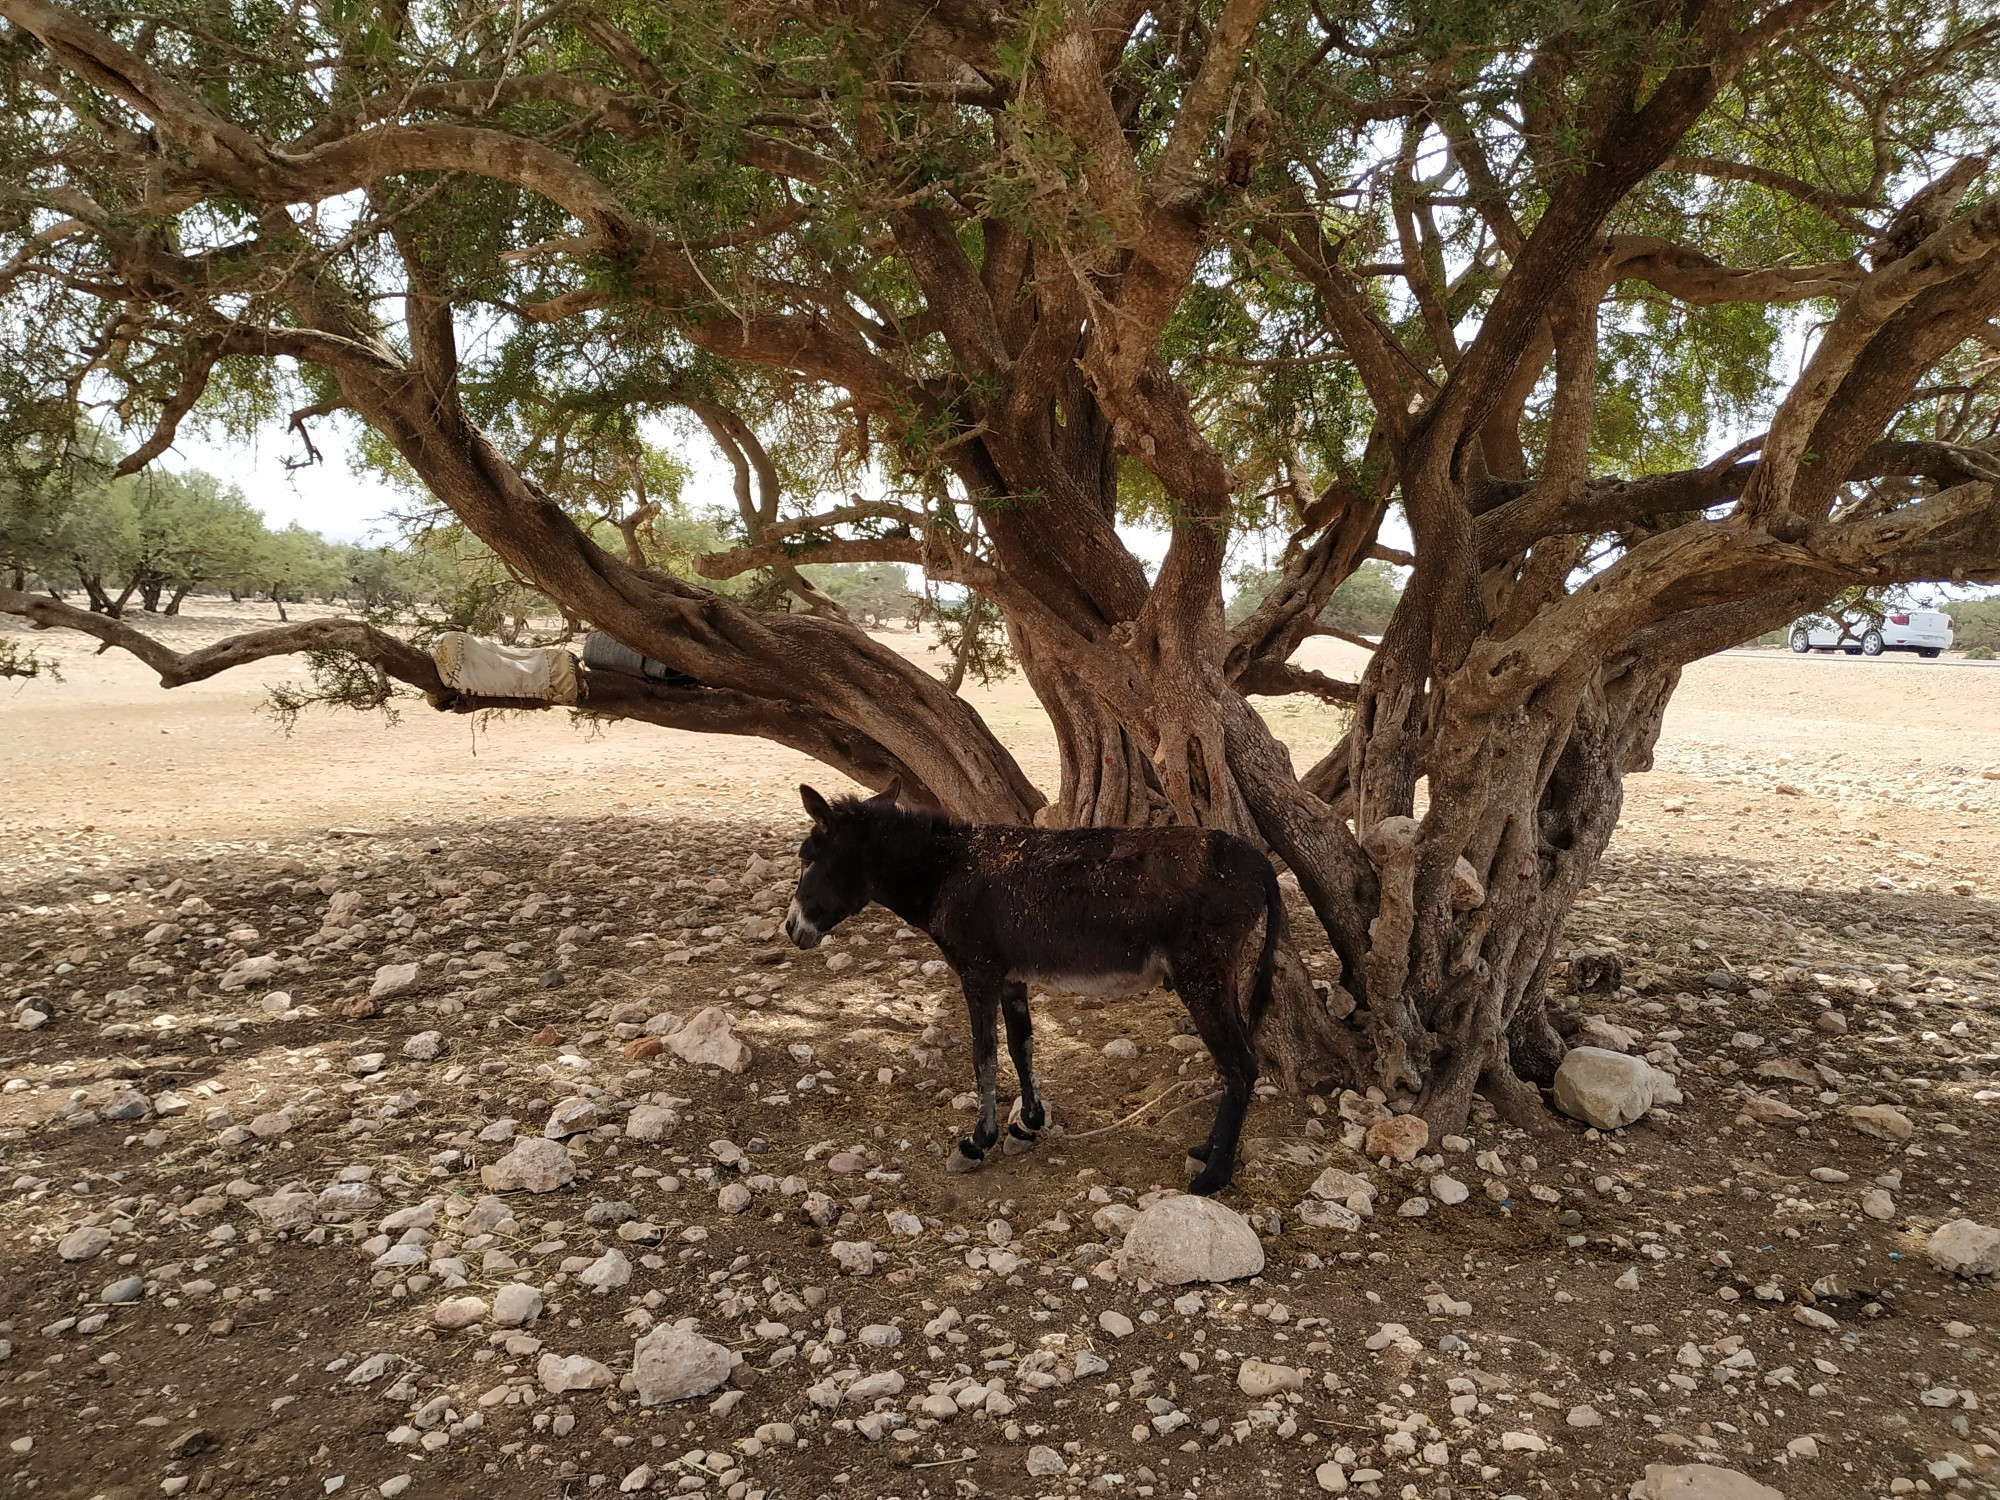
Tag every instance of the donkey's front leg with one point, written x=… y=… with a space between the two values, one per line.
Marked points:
x=982 y=1004
x=1031 y=1113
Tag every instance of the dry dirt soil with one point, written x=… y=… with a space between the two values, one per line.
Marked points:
x=239 y=1201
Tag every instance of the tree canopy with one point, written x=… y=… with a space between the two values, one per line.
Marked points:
x=966 y=287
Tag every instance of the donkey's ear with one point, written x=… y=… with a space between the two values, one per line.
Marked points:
x=815 y=805
x=888 y=795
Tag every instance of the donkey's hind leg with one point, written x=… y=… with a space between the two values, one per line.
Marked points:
x=1032 y=1115
x=1206 y=988
x=982 y=997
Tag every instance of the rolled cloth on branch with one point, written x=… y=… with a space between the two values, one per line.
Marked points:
x=482 y=669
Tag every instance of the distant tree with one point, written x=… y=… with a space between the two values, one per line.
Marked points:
x=872 y=593
x=189 y=531
x=292 y=565
x=1362 y=605
x=1975 y=623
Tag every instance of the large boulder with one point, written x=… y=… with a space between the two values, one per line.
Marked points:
x=1966 y=1248
x=1698 y=1482
x=1610 y=1089
x=673 y=1364
x=1185 y=1238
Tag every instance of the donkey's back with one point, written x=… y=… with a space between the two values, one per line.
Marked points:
x=1099 y=909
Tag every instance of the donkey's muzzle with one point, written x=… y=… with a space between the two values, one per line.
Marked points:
x=799 y=930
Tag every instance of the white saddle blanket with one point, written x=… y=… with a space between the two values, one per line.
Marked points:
x=486 y=669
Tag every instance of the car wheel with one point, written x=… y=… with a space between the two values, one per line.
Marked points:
x=1871 y=643
x=1931 y=653
x=1801 y=642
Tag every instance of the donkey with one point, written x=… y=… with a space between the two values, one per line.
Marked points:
x=1098 y=910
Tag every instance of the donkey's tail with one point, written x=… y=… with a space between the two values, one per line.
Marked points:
x=1267 y=961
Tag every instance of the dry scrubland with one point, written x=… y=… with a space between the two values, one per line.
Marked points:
x=247 y=1251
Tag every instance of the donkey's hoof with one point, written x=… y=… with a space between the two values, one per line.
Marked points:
x=1210 y=1181
x=965 y=1158
x=1022 y=1134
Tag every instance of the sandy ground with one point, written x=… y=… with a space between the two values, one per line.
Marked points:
x=1893 y=745
x=239 y=1219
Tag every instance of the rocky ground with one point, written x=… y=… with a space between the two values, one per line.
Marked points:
x=516 y=1158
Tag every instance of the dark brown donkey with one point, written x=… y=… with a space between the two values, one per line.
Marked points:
x=1100 y=910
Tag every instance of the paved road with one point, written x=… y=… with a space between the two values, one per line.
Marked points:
x=1841 y=658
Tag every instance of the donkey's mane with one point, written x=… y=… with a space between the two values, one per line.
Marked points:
x=906 y=822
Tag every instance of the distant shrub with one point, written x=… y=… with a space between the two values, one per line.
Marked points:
x=1976 y=624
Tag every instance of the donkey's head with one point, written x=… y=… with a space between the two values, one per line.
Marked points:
x=833 y=880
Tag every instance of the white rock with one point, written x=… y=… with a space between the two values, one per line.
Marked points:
x=673 y=1364
x=1317 y=1215
x=1883 y=1121
x=1258 y=1378
x=1449 y=1190
x=84 y=1243
x=281 y=1211
x=1185 y=1238
x=1966 y=1248
x=393 y=979
x=1336 y=1186
x=248 y=971
x=1522 y=1442
x=708 y=1042
x=874 y=1387
x=535 y=1166
x=608 y=1272
x=560 y=1374
x=1467 y=889
x=855 y=1257
x=1045 y=1463
x=571 y=1116
x=1698 y=1482
x=347 y=1197
x=650 y=1122
x=1115 y=1323
x=1331 y=1477
x=1121 y=1049
x=733 y=1199
x=1610 y=1089
x=460 y=1312
x=516 y=1303
x=425 y=1046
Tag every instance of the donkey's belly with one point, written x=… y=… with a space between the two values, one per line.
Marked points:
x=1098 y=981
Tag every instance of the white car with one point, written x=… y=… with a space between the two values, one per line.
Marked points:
x=1924 y=631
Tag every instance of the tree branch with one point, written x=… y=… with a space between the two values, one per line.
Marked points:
x=616 y=695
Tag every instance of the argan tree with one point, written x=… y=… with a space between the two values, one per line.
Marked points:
x=999 y=277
